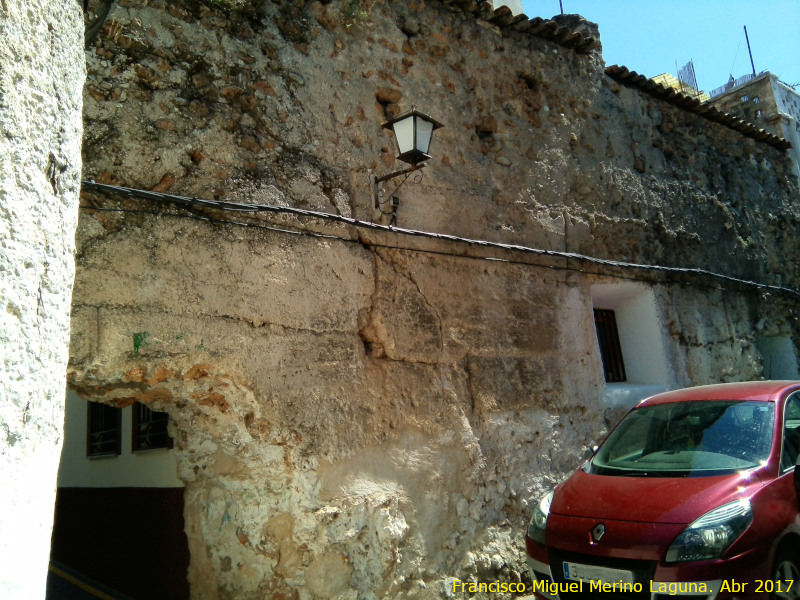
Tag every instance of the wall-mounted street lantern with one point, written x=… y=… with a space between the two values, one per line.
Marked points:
x=413 y=132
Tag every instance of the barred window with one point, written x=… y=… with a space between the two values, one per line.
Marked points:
x=149 y=429
x=610 y=349
x=104 y=430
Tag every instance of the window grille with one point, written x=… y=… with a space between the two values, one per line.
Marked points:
x=104 y=430
x=605 y=323
x=149 y=429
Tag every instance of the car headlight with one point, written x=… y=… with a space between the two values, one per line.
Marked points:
x=712 y=534
x=539 y=519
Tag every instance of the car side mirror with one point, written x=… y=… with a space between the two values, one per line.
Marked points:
x=589 y=452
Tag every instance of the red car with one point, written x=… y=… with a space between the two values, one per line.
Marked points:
x=694 y=495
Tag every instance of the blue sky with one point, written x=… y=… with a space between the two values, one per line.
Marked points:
x=649 y=36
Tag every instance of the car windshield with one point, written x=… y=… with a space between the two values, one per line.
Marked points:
x=688 y=439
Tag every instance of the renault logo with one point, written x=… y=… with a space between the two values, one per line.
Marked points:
x=598 y=532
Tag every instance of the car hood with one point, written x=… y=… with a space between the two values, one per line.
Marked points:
x=649 y=499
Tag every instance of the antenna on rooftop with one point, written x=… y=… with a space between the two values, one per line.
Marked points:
x=752 y=64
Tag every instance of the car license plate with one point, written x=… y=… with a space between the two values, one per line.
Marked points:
x=578 y=572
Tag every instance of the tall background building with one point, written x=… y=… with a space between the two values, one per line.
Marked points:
x=766 y=101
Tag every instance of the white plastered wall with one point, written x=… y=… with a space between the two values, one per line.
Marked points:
x=151 y=468
x=42 y=71
x=641 y=336
x=779 y=357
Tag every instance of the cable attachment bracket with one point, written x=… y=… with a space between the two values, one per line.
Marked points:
x=382 y=199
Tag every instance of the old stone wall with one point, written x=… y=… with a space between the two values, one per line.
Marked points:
x=41 y=79
x=363 y=413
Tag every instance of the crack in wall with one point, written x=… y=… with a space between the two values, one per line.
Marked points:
x=375 y=341
x=373 y=346
x=197 y=313
x=439 y=320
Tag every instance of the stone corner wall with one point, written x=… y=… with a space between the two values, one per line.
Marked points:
x=41 y=78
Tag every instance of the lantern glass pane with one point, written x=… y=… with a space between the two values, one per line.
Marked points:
x=424 y=133
x=404 y=134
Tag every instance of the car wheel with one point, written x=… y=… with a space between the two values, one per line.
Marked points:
x=786 y=575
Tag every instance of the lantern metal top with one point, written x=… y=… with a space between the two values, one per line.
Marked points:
x=413 y=132
x=413 y=113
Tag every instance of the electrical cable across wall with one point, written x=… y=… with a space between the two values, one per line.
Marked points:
x=195 y=203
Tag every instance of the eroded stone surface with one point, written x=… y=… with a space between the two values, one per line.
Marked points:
x=368 y=415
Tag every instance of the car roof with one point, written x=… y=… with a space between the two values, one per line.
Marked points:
x=762 y=391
